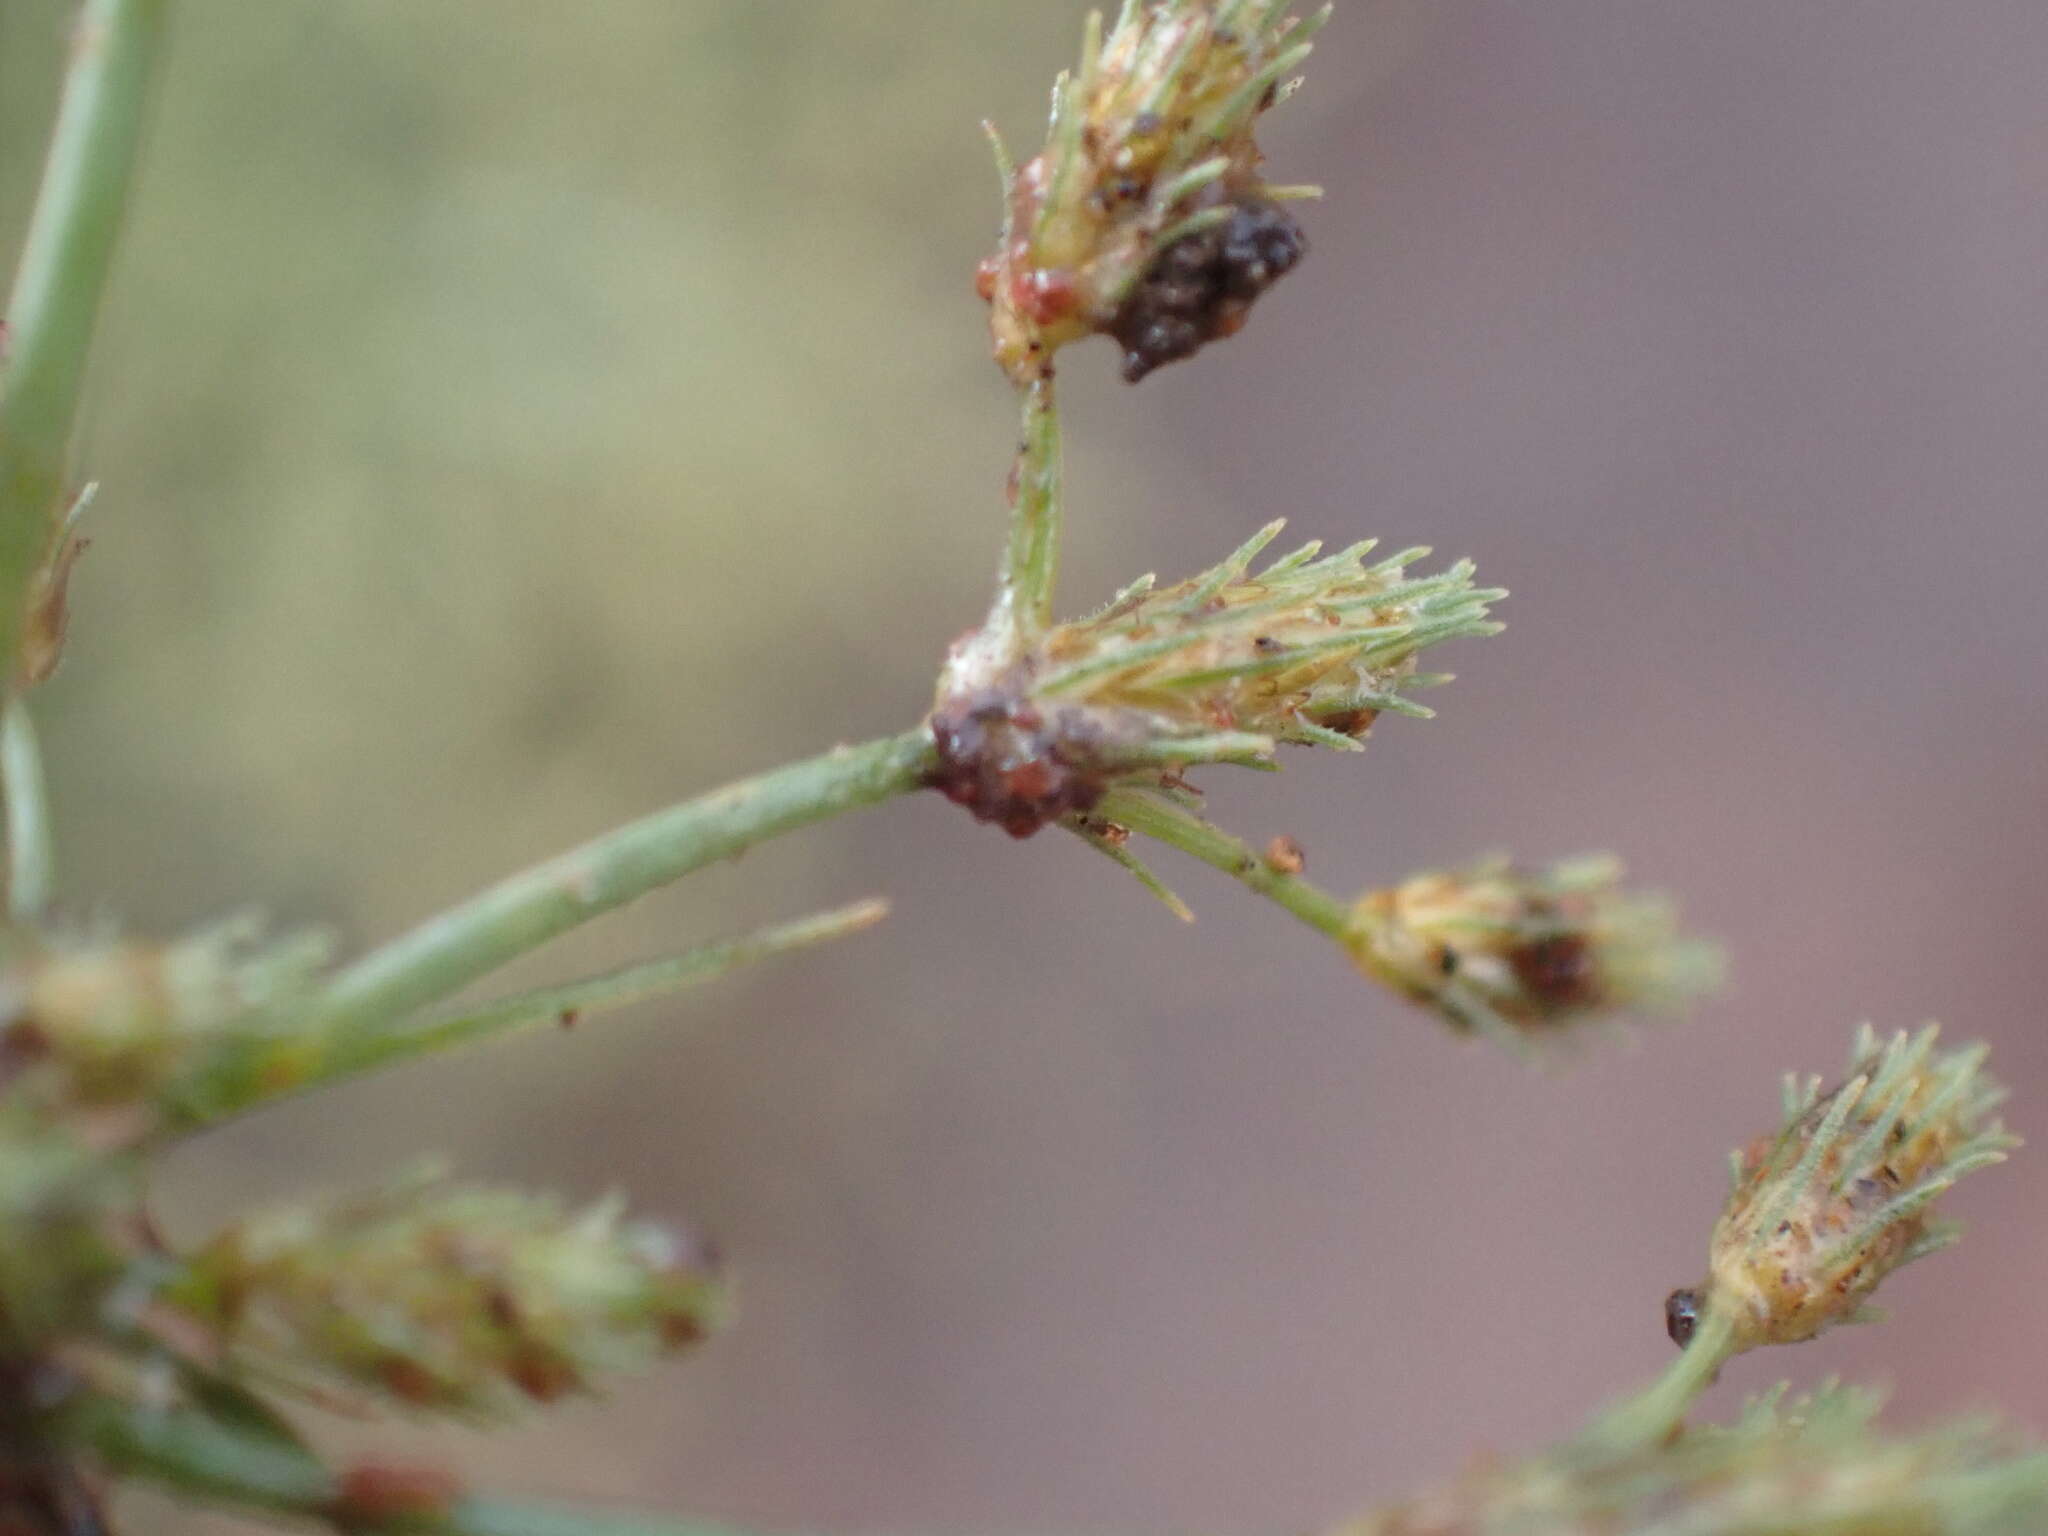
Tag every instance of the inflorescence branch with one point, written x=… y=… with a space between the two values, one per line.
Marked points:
x=1145 y=218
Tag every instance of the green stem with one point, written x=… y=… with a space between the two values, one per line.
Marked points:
x=1031 y=560
x=58 y=286
x=1167 y=823
x=30 y=863
x=1093 y=834
x=501 y=1517
x=209 y=1459
x=261 y=1070
x=1638 y=1422
x=446 y=953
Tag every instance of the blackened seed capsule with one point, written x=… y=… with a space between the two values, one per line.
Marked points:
x=1199 y=287
x=1261 y=244
x=1681 y=1315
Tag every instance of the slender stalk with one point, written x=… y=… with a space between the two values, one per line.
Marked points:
x=1093 y=834
x=1169 y=824
x=58 y=286
x=30 y=864
x=262 y=1070
x=1031 y=560
x=568 y=1003
x=1638 y=1422
x=502 y=1517
x=447 y=952
x=207 y=1458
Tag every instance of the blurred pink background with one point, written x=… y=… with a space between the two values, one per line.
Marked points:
x=617 y=421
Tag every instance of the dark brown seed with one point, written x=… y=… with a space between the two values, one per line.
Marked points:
x=1681 y=1315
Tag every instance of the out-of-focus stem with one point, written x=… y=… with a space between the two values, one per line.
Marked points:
x=252 y=1072
x=208 y=1459
x=58 y=286
x=30 y=866
x=1644 y=1419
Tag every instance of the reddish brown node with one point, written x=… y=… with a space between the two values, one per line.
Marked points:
x=1005 y=763
x=381 y=1492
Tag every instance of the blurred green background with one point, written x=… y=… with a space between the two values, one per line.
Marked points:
x=510 y=419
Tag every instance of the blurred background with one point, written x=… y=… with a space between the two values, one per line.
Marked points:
x=510 y=419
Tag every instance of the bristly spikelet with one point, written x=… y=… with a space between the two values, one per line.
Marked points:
x=466 y=1301
x=1304 y=651
x=1145 y=216
x=1513 y=954
x=1840 y=1196
x=96 y=1022
x=1221 y=667
x=1798 y=1468
x=62 y=1207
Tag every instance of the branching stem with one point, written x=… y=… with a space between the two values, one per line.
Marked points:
x=252 y=1072
x=1167 y=823
x=447 y=952
x=57 y=288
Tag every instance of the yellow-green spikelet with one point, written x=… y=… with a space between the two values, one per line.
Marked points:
x=1841 y=1196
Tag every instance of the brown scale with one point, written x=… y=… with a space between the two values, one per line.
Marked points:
x=1561 y=972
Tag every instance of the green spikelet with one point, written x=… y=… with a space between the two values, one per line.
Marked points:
x=450 y=1299
x=1514 y=954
